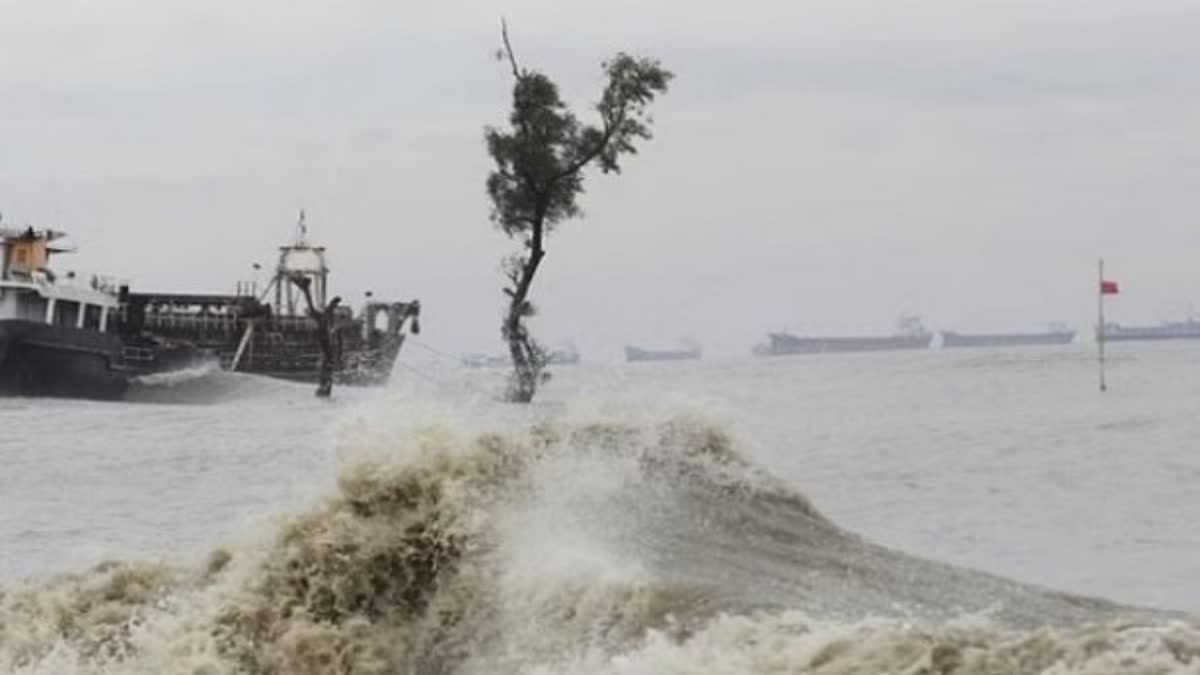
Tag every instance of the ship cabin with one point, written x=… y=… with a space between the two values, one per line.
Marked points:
x=30 y=291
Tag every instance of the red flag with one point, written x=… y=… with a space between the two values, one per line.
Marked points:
x=1109 y=288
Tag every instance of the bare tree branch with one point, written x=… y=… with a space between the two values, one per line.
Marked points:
x=512 y=59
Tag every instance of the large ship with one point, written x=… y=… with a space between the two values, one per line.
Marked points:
x=690 y=351
x=276 y=332
x=87 y=336
x=1056 y=335
x=1174 y=330
x=911 y=334
x=58 y=332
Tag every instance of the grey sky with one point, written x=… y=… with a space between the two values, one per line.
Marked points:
x=817 y=166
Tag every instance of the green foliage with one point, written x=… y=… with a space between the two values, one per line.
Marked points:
x=538 y=177
x=540 y=158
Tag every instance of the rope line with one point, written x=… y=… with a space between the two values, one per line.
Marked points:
x=438 y=352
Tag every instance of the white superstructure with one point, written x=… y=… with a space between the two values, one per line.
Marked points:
x=31 y=291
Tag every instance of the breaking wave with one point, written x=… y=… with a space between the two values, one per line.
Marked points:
x=206 y=384
x=605 y=547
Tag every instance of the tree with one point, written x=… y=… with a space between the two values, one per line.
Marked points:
x=325 y=319
x=538 y=177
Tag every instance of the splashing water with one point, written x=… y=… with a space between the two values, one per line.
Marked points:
x=602 y=545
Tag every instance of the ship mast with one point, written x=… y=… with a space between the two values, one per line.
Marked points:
x=300 y=260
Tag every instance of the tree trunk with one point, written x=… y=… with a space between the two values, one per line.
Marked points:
x=528 y=358
x=324 y=319
x=328 y=358
x=527 y=364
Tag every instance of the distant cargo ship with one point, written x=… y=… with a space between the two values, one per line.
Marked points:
x=567 y=356
x=1176 y=330
x=911 y=335
x=1054 y=336
x=690 y=352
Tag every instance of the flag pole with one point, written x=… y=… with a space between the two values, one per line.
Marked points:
x=1100 y=329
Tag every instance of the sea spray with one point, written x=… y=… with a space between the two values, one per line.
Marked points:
x=180 y=377
x=617 y=545
x=93 y=612
x=796 y=644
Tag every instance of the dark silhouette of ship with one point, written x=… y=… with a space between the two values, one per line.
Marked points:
x=911 y=334
x=1056 y=335
x=567 y=355
x=1188 y=329
x=690 y=351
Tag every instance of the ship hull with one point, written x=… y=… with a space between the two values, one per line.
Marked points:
x=38 y=359
x=955 y=340
x=1152 y=333
x=356 y=368
x=636 y=354
x=296 y=355
x=241 y=335
x=784 y=344
x=556 y=358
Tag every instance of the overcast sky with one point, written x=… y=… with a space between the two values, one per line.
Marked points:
x=817 y=166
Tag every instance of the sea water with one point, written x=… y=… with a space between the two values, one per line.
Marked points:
x=974 y=511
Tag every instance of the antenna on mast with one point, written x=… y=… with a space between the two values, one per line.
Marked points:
x=302 y=229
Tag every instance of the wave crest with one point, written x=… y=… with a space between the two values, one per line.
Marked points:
x=792 y=642
x=603 y=546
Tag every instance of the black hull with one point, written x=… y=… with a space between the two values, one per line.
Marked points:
x=284 y=348
x=1151 y=335
x=954 y=340
x=1148 y=338
x=46 y=360
x=635 y=354
x=374 y=374
x=300 y=361
x=784 y=344
x=486 y=361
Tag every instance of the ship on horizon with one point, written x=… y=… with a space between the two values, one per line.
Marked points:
x=1057 y=334
x=1188 y=329
x=910 y=334
x=567 y=355
x=690 y=351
